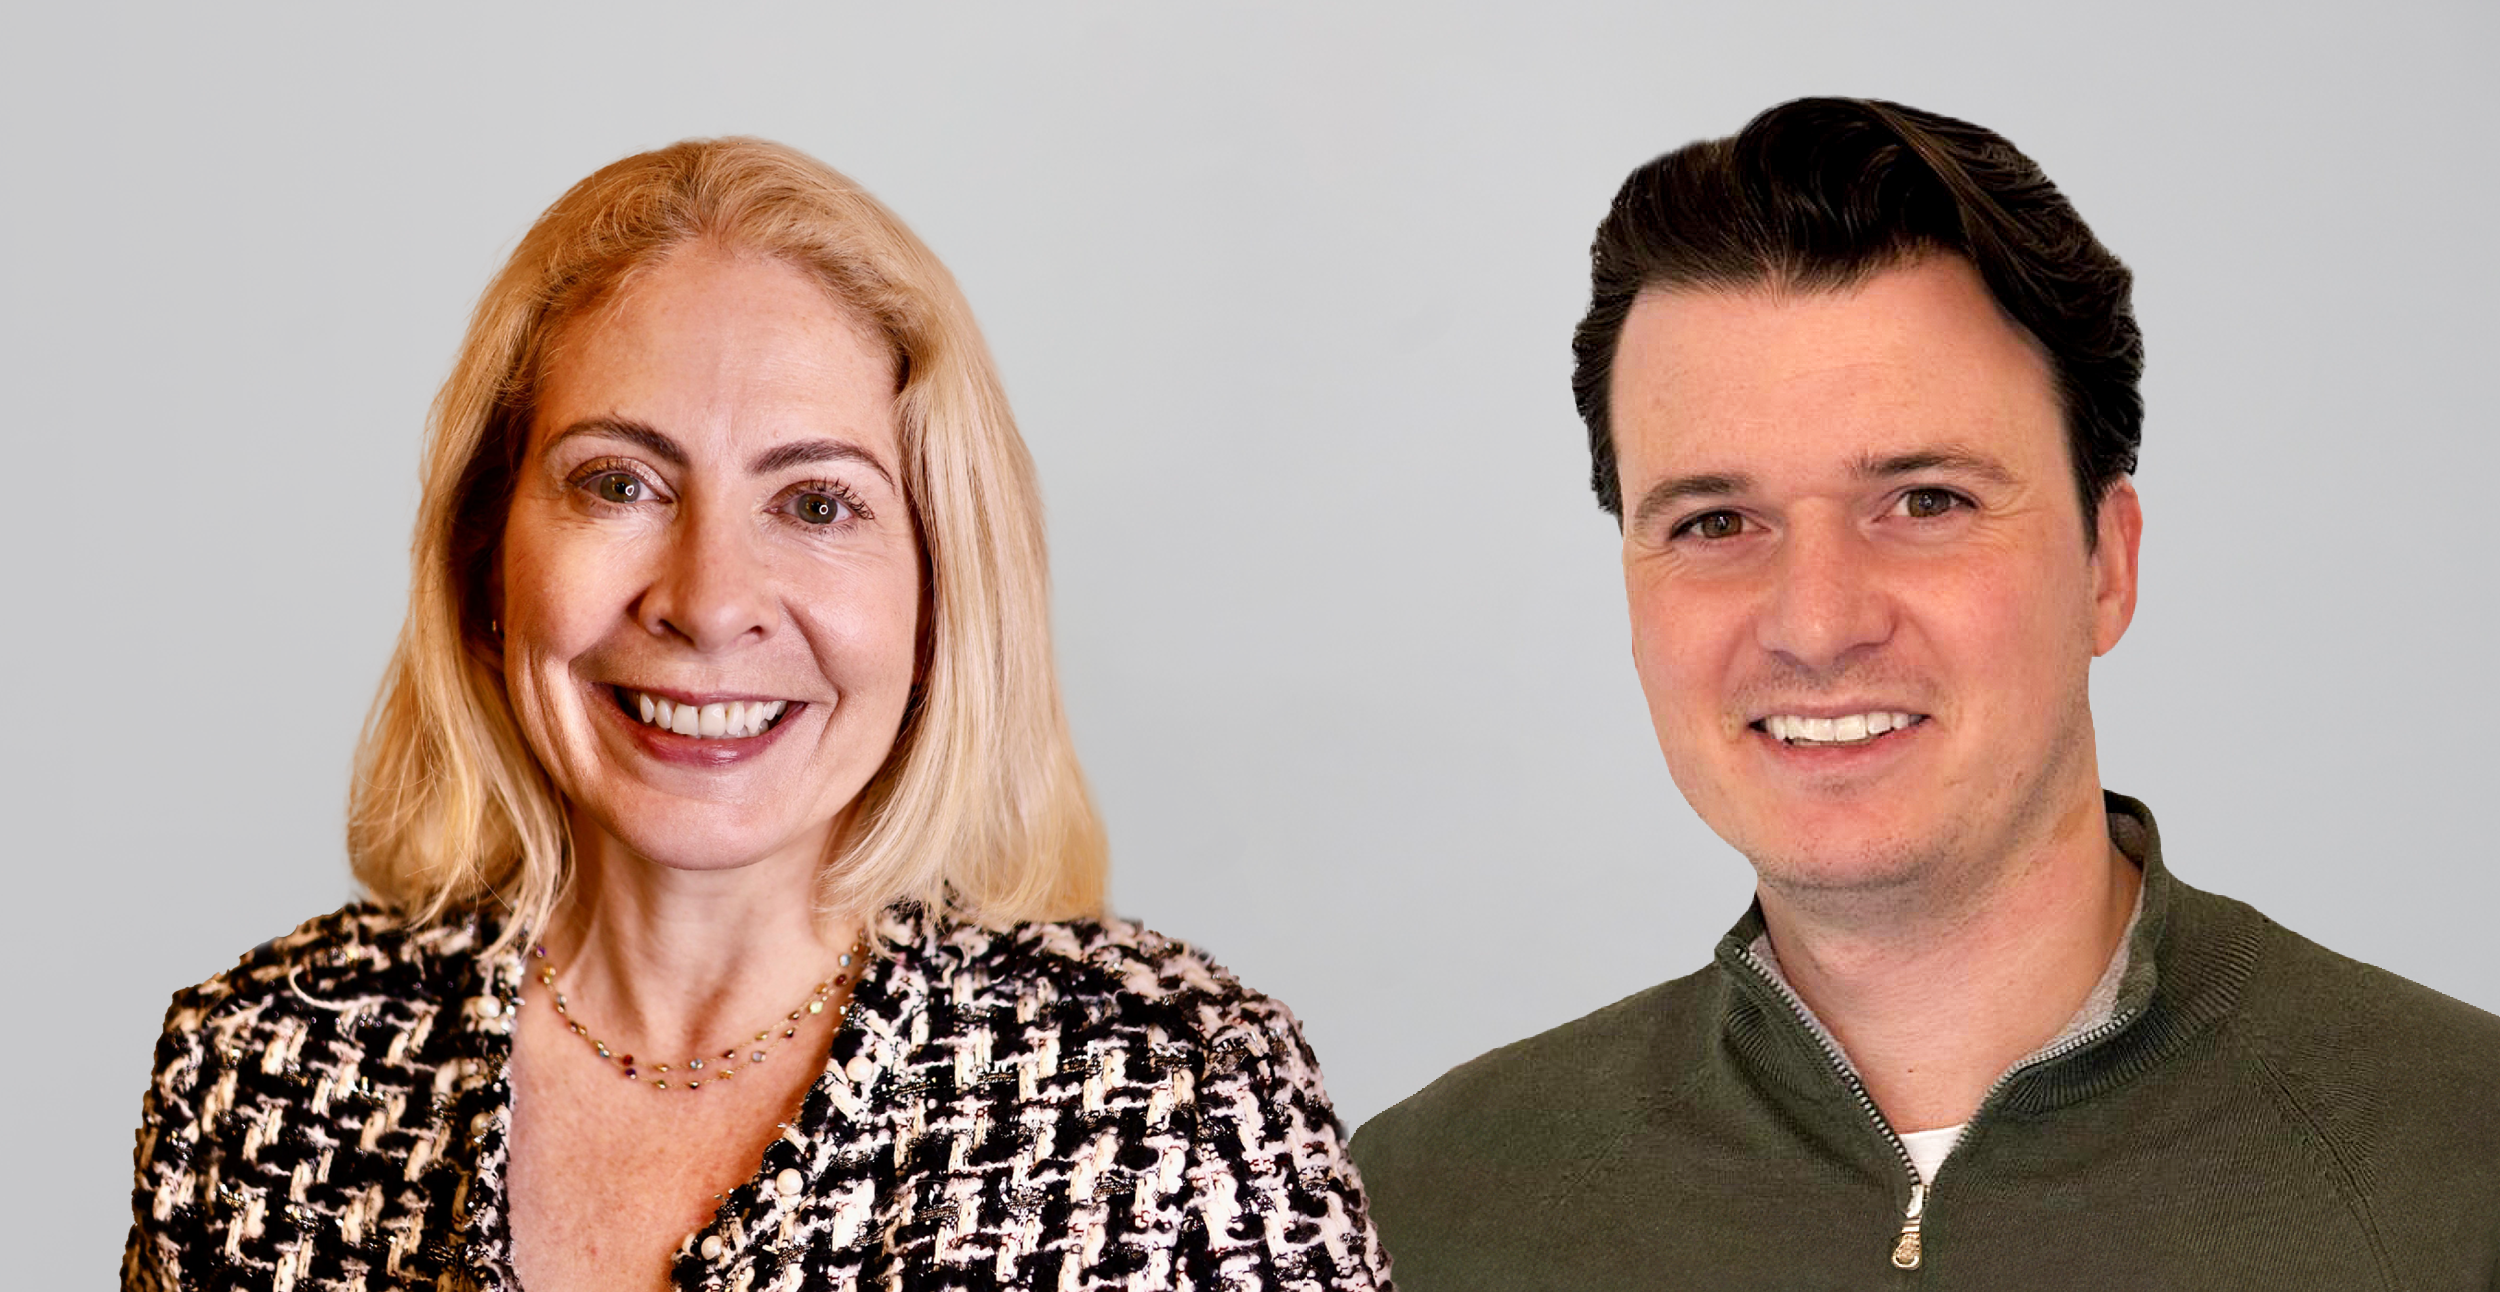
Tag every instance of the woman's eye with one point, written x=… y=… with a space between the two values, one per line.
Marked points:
x=818 y=508
x=619 y=487
x=1927 y=504
x=1714 y=525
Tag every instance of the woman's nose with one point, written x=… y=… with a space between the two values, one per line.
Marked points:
x=1827 y=602
x=713 y=589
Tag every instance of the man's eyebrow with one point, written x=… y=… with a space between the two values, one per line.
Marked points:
x=1667 y=493
x=1950 y=459
x=628 y=430
x=799 y=453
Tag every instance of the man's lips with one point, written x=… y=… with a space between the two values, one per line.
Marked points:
x=1845 y=727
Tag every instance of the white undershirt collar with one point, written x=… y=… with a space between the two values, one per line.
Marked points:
x=1929 y=1148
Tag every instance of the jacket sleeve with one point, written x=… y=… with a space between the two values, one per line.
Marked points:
x=1277 y=1201
x=165 y=1210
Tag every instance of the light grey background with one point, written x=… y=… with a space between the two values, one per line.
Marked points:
x=1282 y=295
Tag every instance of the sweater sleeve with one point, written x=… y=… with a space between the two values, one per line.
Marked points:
x=1278 y=1203
x=164 y=1211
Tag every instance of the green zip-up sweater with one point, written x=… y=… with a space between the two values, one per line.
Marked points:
x=2258 y=1113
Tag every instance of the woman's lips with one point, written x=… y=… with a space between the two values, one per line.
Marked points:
x=721 y=720
x=762 y=721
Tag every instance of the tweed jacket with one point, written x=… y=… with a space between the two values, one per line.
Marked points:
x=1072 y=1106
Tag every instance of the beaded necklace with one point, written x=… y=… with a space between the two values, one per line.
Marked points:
x=765 y=1041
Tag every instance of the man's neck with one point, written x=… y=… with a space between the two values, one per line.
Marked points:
x=1934 y=1003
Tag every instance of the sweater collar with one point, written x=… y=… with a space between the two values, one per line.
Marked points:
x=2099 y=1006
x=2187 y=956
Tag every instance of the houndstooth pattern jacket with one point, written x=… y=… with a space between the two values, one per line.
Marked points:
x=1055 y=1106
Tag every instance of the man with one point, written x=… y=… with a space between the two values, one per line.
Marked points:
x=1860 y=388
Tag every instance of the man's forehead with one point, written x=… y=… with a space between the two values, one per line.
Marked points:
x=1889 y=366
x=1887 y=314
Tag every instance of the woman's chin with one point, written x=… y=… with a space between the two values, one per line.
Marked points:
x=696 y=837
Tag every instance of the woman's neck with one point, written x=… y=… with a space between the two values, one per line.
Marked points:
x=683 y=961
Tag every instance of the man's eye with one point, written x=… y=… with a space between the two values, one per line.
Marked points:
x=1927 y=504
x=818 y=508
x=1713 y=525
x=618 y=486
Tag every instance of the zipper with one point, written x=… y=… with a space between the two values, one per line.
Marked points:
x=1907 y=1248
x=2088 y=1036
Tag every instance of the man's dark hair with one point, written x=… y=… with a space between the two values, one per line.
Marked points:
x=1821 y=193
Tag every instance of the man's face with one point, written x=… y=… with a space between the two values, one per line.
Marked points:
x=1863 y=606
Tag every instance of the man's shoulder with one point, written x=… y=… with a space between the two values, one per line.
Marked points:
x=2338 y=1029
x=1535 y=1106
x=2311 y=1003
x=2385 y=1085
x=1460 y=1171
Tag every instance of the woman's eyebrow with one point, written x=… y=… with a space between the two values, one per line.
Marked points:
x=799 y=453
x=632 y=432
x=780 y=457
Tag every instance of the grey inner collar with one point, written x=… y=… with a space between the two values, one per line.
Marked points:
x=2098 y=1006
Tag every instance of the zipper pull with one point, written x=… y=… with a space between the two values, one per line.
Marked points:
x=1907 y=1248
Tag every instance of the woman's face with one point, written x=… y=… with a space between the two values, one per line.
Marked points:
x=710 y=578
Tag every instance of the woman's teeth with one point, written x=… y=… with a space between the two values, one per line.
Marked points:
x=1854 y=728
x=734 y=720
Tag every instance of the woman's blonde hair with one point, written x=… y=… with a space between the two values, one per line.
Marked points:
x=980 y=812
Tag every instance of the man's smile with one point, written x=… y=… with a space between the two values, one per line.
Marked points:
x=1843 y=729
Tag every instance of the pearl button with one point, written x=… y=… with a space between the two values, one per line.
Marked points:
x=711 y=1248
x=788 y=1183
x=489 y=1007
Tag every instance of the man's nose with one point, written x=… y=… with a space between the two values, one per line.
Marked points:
x=1827 y=599
x=714 y=587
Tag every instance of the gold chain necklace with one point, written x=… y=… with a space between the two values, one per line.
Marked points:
x=765 y=1041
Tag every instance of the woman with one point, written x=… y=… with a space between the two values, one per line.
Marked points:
x=736 y=914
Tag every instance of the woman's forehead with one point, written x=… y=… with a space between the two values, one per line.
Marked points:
x=727 y=355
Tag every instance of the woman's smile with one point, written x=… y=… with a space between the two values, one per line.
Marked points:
x=701 y=731
x=705 y=718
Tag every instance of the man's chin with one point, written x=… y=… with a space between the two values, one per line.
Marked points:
x=1830 y=874
x=1835 y=863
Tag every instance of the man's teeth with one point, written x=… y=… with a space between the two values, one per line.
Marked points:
x=1850 y=729
x=734 y=720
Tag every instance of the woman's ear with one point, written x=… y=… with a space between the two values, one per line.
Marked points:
x=489 y=648
x=924 y=637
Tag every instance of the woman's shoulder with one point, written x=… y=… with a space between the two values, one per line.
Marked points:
x=1144 y=1041
x=360 y=976
x=360 y=950
x=335 y=1052
x=1105 y=979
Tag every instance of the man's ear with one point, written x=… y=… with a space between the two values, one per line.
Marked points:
x=2120 y=534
